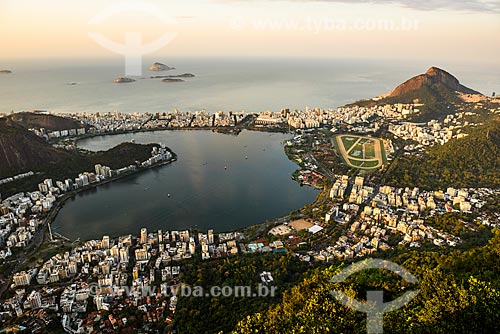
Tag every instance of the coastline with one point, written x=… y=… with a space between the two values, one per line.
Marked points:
x=62 y=200
x=245 y=124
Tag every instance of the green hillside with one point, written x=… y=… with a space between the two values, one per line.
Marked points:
x=22 y=151
x=439 y=101
x=458 y=293
x=473 y=161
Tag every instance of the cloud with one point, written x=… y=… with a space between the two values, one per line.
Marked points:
x=485 y=6
x=459 y=5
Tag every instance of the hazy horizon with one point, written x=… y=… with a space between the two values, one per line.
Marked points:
x=252 y=84
x=246 y=55
x=464 y=32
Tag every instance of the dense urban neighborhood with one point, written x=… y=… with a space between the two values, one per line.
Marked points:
x=120 y=282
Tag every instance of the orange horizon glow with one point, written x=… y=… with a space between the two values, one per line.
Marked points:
x=254 y=28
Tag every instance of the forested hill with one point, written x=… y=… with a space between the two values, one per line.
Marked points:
x=458 y=293
x=22 y=151
x=473 y=161
x=46 y=121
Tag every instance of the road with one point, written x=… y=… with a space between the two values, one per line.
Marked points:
x=324 y=170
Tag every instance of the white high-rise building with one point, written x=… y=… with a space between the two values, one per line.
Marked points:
x=144 y=235
x=84 y=179
x=141 y=254
x=73 y=268
x=210 y=236
x=359 y=181
x=21 y=279
x=192 y=246
x=98 y=169
x=98 y=300
x=124 y=255
x=35 y=300
x=115 y=252
x=105 y=242
x=151 y=275
x=49 y=183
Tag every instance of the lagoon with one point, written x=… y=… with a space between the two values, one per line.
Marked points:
x=221 y=182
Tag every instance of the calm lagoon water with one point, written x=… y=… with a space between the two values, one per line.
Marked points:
x=203 y=193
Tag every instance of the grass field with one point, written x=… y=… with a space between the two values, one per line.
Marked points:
x=364 y=140
x=364 y=149
x=348 y=142
x=370 y=150
x=365 y=164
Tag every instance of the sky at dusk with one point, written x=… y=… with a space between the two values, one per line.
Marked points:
x=462 y=31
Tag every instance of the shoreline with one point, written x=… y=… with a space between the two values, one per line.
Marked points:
x=229 y=130
x=62 y=200
x=52 y=214
x=41 y=236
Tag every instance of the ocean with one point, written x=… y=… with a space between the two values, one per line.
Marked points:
x=227 y=84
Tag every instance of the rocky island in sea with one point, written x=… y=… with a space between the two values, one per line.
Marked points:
x=172 y=80
x=160 y=67
x=5 y=71
x=184 y=75
x=124 y=80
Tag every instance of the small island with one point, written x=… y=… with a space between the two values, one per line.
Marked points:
x=160 y=67
x=124 y=80
x=172 y=80
x=5 y=71
x=184 y=75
